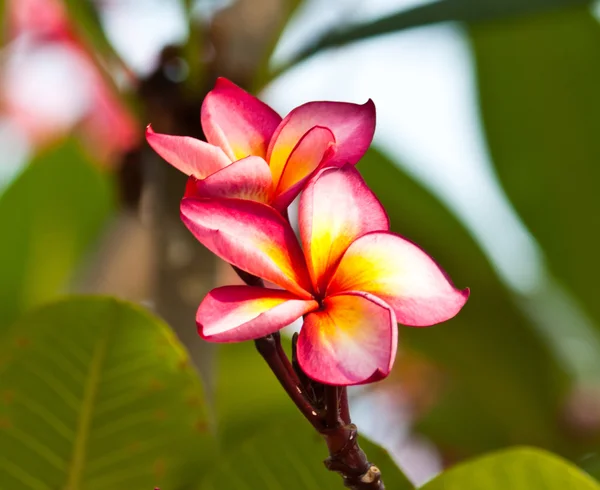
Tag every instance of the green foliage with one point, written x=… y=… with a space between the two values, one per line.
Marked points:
x=430 y=13
x=86 y=22
x=97 y=394
x=50 y=216
x=502 y=382
x=538 y=87
x=289 y=457
x=246 y=391
x=3 y=18
x=514 y=469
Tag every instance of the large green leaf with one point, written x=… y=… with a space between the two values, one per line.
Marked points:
x=504 y=386
x=289 y=457
x=514 y=469
x=50 y=215
x=98 y=394
x=430 y=13
x=538 y=87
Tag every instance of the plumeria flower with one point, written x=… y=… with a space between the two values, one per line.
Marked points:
x=351 y=278
x=253 y=154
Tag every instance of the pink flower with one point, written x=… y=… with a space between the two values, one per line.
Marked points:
x=46 y=110
x=272 y=158
x=351 y=279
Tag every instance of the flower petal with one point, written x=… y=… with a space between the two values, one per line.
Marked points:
x=236 y=121
x=188 y=155
x=237 y=313
x=251 y=236
x=352 y=125
x=336 y=208
x=351 y=341
x=401 y=274
x=314 y=149
x=248 y=178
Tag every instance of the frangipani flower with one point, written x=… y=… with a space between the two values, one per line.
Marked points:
x=351 y=279
x=253 y=154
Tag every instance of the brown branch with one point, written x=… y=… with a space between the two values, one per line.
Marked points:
x=324 y=406
x=349 y=460
x=332 y=401
x=267 y=348
x=344 y=407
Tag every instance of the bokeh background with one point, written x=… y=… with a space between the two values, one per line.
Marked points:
x=486 y=153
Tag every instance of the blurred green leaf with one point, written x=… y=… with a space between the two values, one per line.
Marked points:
x=98 y=394
x=248 y=396
x=3 y=20
x=50 y=215
x=538 y=87
x=431 y=13
x=290 y=457
x=514 y=469
x=504 y=387
x=86 y=21
x=262 y=73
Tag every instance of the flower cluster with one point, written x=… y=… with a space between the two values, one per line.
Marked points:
x=347 y=275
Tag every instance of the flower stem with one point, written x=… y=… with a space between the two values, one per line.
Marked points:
x=268 y=349
x=324 y=406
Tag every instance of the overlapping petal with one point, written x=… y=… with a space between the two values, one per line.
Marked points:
x=335 y=209
x=352 y=125
x=248 y=178
x=304 y=158
x=251 y=236
x=401 y=274
x=314 y=149
x=237 y=313
x=188 y=155
x=351 y=340
x=236 y=121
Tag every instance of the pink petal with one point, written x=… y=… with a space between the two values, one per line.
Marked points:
x=251 y=236
x=314 y=149
x=248 y=178
x=352 y=340
x=237 y=313
x=401 y=274
x=236 y=121
x=188 y=155
x=352 y=126
x=336 y=208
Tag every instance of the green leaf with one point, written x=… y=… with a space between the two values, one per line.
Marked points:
x=431 y=13
x=96 y=394
x=514 y=469
x=50 y=215
x=502 y=384
x=3 y=20
x=86 y=21
x=289 y=457
x=248 y=396
x=262 y=73
x=538 y=88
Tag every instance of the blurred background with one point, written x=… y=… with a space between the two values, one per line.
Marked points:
x=486 y=153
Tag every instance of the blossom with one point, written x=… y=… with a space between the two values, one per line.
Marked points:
x=252 y=153
x=351 y=278
x=50 y=83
